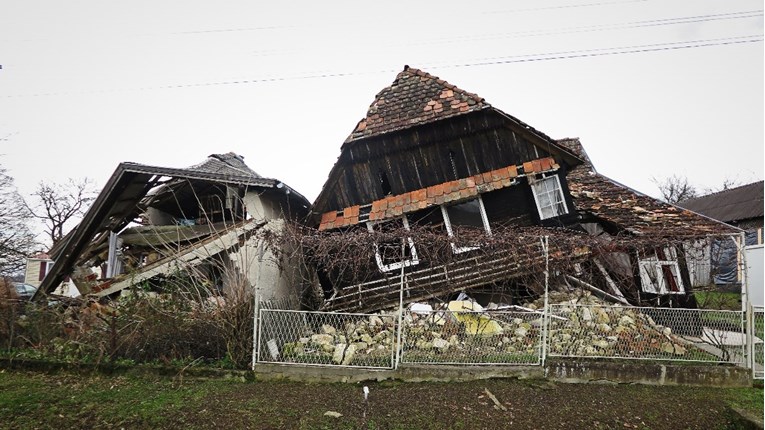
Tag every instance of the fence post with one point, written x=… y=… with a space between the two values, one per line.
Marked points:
x=255 y=328
x=746 y=308
x=749 y=314
x=397 y=348
x=545 y=314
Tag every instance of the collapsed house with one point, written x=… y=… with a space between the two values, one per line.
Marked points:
x=431 y=156
x=208 y=223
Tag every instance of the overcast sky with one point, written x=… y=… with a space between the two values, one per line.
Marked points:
x=652 y=87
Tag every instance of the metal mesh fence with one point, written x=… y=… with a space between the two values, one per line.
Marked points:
x=506 y=337
x=468 y=337
x=646 y=333
x=321 y=338
x=758 y=322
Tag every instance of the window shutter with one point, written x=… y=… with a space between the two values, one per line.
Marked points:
x=43 y=270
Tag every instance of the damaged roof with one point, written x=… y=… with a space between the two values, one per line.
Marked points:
x=631 y=210
x=415 y=97
x=732 y=205
x=227 y=165
x=118 y=204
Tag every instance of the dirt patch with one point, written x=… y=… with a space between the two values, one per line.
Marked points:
x=35 y=400
x=535 y=405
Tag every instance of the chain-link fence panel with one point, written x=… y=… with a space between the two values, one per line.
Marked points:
x=472 y=338
x=758 y=323
x=646 y=333
x=326 y=339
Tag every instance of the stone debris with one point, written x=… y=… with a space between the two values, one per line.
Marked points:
x=605 y=330
x=459 y=329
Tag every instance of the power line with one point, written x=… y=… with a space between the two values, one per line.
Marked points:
x=571 y=6
x=633 y=49
x=603 y=27
x=562 y=55
x=338 y=23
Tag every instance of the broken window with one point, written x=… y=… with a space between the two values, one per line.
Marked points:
x=465 y=217
x=384 y=184
x=548 y=195
x=660 y=274
x=392 y=252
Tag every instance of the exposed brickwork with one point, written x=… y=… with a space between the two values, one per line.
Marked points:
x=452 y=191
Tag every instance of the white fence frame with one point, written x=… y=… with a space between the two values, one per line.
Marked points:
x=515 y=337
x=736 y=336
x=644 y=333
x=298 y=337
x=755 y=341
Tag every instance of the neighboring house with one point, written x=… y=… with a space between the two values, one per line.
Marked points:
x=207 y=222
x=741 y=207
x=431 y=154
x=37 y=267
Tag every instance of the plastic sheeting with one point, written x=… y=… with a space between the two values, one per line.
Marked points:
x=725 y=258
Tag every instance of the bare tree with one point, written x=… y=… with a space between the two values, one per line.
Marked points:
x=58 y=204
x=727 y=184
x=675 y=189
x=16 y=239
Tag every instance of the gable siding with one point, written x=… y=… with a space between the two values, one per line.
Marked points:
x=419 y=157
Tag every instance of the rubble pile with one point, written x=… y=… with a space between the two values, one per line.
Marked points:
x=462 y=331
x=364 y=341
x=583 y=325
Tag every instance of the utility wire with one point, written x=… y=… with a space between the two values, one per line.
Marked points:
x=562 y=55
x=601 y=27
x=339 y=23
x=570 y=6
x=605 y=51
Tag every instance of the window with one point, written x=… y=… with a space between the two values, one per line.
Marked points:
x=548 y=196
x=45 y=267
x=388 y=253
x=466 y=216
x=660 y=273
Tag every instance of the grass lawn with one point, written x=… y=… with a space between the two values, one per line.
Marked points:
x=721 y=300
x=64 y=400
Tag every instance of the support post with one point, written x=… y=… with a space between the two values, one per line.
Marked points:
x=398 y=348
x=746 y=308
x=255 y=326
x=546 y=314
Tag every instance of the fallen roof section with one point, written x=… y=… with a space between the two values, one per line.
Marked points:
x=189 y=256
x=118 y=204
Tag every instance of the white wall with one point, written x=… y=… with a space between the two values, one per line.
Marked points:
x=260 y=262
x=754 y=274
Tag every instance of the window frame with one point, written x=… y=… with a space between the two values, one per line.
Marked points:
x=448 y=224
x=412 y=261
x=536 y=182
x=653 y=263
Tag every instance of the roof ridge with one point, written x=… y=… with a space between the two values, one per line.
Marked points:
x=424 y=74
x=415 y=97
x=727 y=190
